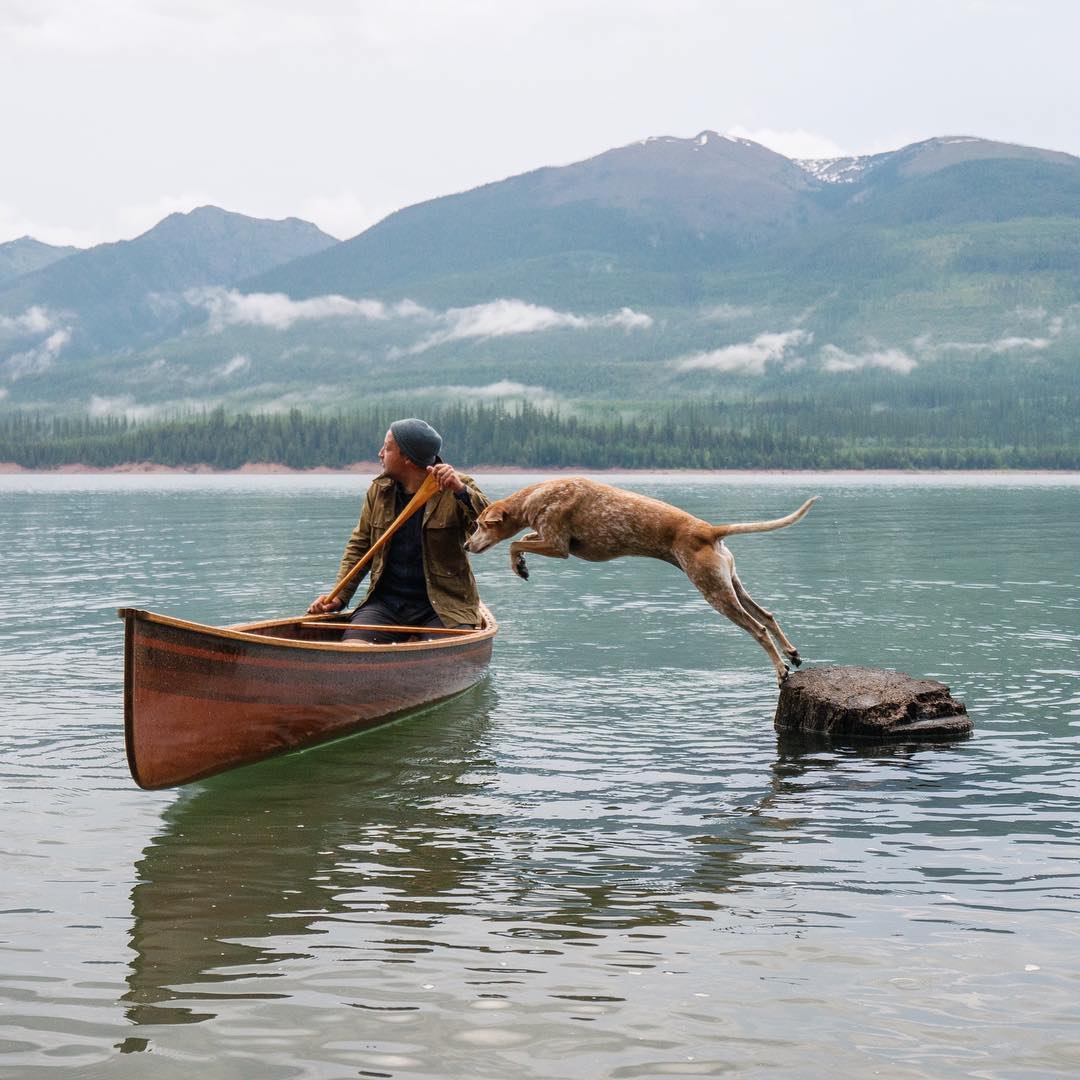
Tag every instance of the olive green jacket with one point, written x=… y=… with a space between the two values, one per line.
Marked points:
x=451 y=587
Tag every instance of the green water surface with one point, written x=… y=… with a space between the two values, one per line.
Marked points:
x=600 y=862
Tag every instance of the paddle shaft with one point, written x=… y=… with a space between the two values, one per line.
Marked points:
x=427 y=489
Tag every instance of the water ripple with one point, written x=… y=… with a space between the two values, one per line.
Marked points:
x=600 y=862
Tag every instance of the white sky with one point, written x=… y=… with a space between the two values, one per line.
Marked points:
x=116 y=112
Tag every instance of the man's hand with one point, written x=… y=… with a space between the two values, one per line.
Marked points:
x=446 y=477
x=322 y=605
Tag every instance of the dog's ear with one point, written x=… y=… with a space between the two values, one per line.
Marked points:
x=493 y=515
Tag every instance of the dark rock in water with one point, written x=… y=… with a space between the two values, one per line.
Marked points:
x=869 y=703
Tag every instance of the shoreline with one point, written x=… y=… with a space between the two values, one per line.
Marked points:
x=365 y=468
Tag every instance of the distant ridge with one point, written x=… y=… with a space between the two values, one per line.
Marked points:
x=25 y=255
x=672 y=207
x=121 y=293
x=928 y=156
x=669 y=269
x=662 y=201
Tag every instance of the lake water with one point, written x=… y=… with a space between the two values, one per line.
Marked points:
x=601 y=862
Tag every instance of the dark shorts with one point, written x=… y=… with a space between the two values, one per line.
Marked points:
x=378 y=612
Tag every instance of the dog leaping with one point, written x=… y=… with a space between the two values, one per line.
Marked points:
x=596 y=522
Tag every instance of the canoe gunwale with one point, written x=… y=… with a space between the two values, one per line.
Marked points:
x=242 y=632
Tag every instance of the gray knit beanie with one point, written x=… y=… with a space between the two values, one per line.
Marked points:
x=417 y=440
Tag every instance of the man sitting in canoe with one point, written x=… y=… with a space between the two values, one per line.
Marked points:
x=422 y=577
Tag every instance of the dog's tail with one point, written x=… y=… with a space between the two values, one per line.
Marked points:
x=720 y=531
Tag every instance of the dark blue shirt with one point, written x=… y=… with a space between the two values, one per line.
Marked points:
x=402 y=581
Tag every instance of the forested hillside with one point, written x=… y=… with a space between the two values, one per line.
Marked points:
x=712 y=434
x=917 y=303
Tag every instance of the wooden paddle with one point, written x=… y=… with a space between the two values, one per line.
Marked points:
x=427 y=489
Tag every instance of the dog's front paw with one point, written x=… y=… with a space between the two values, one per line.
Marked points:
x=795 y=658
x=519 y=568
x=782 y=678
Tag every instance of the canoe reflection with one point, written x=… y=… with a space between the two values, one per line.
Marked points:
x=264 y=853
x=369 y=845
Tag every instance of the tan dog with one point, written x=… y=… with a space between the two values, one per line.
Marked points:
x=596 y=522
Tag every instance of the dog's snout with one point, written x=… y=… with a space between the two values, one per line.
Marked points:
x=475 y=544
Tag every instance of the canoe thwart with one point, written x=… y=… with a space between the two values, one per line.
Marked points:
x=449 y=631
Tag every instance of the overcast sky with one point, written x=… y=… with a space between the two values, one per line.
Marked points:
x=116 y=112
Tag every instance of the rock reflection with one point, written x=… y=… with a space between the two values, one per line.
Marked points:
x=799 y=750
x=269 y=851
x=810 y=780
x=438 y=842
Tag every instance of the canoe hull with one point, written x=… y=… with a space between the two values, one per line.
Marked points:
x=200 y=700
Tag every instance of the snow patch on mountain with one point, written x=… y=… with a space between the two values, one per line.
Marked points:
x=844 y=170
x=700 y=140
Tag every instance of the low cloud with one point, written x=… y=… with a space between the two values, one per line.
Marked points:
x=836 y=360
x=318 y=396
x=726 y=313
x=34 y=320
x=502 y=318
x=228 y=307
x=504 y=388
x=498 y=318
x=124 y=405
x=1007 y=343
x=234 y=366
x=998 y=346
x=1019 y=344
x=39 y=359
x=164 y=306
x=747 y=357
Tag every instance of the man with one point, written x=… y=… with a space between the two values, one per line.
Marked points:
x=422 y=576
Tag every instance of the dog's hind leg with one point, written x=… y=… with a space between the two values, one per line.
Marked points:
x=712 y=571
x=766 y=617
x=534 y=544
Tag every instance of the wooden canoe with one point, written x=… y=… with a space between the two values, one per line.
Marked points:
x=201 y=699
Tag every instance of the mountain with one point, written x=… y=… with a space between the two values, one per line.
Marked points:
x=925 y=158
x=954 y=179
x=115 y=295
x=25 y=255
x=667 y=270
x=664 y=204
x=669 y=221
